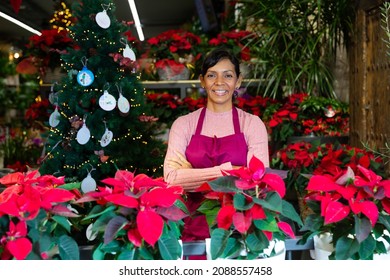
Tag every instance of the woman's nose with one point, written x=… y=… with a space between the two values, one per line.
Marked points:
x=219 y=80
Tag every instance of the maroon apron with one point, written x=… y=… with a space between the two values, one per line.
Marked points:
x=203 y=152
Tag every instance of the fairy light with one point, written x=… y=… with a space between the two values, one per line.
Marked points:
x=62 y=18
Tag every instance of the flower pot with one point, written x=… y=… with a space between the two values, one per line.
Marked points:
x=53 y=75
x=323 y=248
x=86 y=252
x=169 y=74
x=278 y=245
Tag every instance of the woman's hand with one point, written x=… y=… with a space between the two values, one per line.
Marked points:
x=179 y=162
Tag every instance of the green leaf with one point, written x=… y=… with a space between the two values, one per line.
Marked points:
x=145 y=254
x=127 y=254
x=257 y=242
x=113 y=227
x=367 y=248
x=208 y=205
x=313 y=223
x=101 y=222
x=98 y=254
x=363 y=228
x=346 y=248
x=46 y=242
x=219 y=239
x=182 y=206
x=98 y=210
x=71 y=186
x=232 y=249
x=169 y=246
x=112 y=247
x=69 y=250
x=224 y=184
x=289 y=212
x=385 y=220
x=272 y=202
x=240 y=202
x=63 y=221
x=266 y=225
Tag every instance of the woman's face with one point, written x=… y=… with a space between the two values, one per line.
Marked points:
x=220 y=82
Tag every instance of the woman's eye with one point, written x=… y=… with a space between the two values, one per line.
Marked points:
x=210 y=76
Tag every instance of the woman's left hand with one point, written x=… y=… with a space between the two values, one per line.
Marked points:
x=179 y=162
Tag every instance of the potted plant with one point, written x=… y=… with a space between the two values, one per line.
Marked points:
x=352 y=208
x=175 y=54
x=303 y=117
x=246 y=212
x=135 y=217
x=304 y=159
x=35 y=217
x=240 y=42
x=297 y=43
x=43 y=52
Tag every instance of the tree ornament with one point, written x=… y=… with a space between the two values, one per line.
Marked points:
x=54 y=118
x=107 y=101
x=102 y=19
x=88 y=184
x=123 y=103
x=127 y=51
x=83 y=135
x=107 y=137
x=85 y=77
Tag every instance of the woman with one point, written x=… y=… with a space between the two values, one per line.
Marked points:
x=217 y=137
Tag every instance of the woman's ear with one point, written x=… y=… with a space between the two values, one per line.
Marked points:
x=239 y=81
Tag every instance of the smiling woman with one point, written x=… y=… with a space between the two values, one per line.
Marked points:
x=209 y=140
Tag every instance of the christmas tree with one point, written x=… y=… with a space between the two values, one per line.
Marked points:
x=99 y=121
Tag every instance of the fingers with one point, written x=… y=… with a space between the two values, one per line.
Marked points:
x=179 y=162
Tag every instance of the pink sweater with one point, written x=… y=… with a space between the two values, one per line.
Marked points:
x=219 y=125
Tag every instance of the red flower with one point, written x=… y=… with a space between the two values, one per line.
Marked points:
x=151 y=198
x=16 y=241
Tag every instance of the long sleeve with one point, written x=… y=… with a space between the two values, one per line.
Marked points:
x=257 y=138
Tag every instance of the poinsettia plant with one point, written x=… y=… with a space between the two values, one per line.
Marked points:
x=135 y=217
x=353 y=205
x=44 y=51
x=302 y=114
x=303 y=159
x=239 y=40
x=177 y=48
x=35 y=217
x=245 y=211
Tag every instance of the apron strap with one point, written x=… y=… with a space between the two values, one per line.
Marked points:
x=236 y=121
x=200 y=121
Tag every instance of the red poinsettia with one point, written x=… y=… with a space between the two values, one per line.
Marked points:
x=44 y=51
x=32 y=203
x=137 y=209
x=302 y=114
x=353 y=205
x=238 y=40
x=247 y=203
